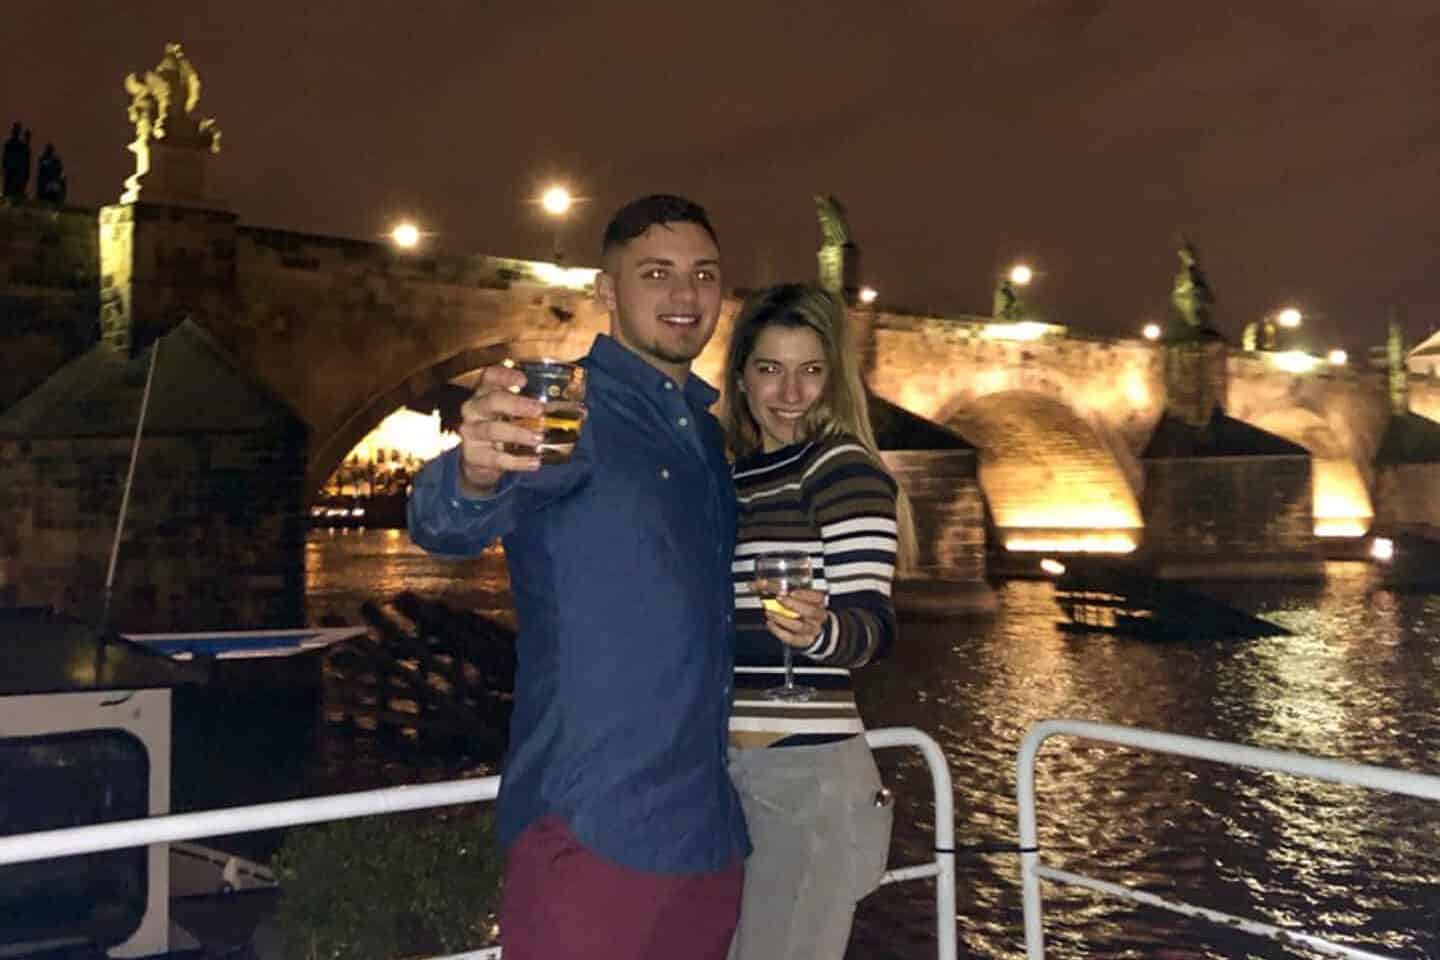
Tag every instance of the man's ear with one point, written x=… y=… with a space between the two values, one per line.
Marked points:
x=605 y=291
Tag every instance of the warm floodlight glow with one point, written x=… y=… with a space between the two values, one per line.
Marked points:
x=869 y=294
x=1337 y=358
x=1052 y=566
x=1294 y=361
x=1382 y=549
x=575 y=278
x=556 y=201
x=1289 y=318
x=1021 y=330
x=1151 y=331
x=1341 y=529
x=1021 y=275
x=406 y=236
x=1072 y=543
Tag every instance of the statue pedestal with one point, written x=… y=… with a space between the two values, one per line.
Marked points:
x=172 y=174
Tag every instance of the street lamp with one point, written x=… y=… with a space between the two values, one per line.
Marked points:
x=869 y=295
x=556 y=202
x=1151 y=331
x=1337 y=358
x=1021 y=275
x=405 y=235
x=1289 y=318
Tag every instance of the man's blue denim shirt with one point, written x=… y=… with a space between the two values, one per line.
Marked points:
x=620 y=569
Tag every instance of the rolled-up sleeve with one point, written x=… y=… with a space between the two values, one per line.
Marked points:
x=443 y=520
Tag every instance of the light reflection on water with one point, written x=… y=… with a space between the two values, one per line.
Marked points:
x=1357 y=681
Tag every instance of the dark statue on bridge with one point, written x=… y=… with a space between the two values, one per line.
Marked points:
x=1007 y=305
x=1192 y=297
x=16 y=163
x=839 y=257
x=834 y=227
x=50 y=184
x=1260 y=335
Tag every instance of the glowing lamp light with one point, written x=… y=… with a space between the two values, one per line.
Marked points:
x=1289 y=318
x=406 y=236
x=869 y=295
x=1337 y=358
x=1021 y=275
x=1382 y=549
x=1052 y=566
x=1151 y=331
x=556 y=201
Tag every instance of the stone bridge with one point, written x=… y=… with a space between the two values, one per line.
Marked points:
x=346 y=331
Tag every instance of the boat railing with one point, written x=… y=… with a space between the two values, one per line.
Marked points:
x=97 y=838
x=1033 y=870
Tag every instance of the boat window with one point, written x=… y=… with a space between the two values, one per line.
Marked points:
x=70 y=780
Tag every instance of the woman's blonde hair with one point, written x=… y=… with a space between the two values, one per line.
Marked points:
x=843 y=406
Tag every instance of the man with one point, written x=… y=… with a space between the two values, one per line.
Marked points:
x=624 y=836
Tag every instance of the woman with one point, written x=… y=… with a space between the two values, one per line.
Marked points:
x=809 y=477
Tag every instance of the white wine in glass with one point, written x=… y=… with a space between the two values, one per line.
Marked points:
x=776 y=574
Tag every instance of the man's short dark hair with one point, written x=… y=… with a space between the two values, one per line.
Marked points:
x=637 y=216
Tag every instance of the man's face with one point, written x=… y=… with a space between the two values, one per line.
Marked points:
x=663 y=293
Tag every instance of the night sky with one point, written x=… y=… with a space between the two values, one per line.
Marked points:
x=1297 y=143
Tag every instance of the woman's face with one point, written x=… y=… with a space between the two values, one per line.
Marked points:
x=784 y=377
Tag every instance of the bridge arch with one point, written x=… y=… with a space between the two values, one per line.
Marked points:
x=329 y=450
x=1050 y=480
x=1342 y=504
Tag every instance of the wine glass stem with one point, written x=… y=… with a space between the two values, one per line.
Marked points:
x=789 y=668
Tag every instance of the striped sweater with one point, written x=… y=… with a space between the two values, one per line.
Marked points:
x=832 y=499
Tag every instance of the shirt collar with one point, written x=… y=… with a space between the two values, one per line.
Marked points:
x=624 y=364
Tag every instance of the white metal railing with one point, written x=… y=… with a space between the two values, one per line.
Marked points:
x=1032 y=871
x=942 y=868
x=51 y=844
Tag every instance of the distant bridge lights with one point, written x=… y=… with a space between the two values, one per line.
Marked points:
x=405 y=235
x=869 y=295
x=1294 y=361
x=1289 y=318
x=1337 y=358
x=1382 y=549
x=1151 y=331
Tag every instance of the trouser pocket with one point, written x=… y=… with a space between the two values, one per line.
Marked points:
x=870 y=816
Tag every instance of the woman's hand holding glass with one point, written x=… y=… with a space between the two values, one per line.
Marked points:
x=801 y=628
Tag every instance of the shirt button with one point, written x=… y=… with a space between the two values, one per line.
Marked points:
x=669 y=385
x=683 y=421
x=664 y=473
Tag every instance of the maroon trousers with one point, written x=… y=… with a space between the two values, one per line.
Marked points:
x=563 y=902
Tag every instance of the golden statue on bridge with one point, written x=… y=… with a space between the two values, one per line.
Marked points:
x=171 y=140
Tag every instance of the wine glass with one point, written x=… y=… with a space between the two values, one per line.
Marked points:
x=778 y=572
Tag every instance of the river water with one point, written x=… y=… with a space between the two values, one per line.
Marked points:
x=1358 y=680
